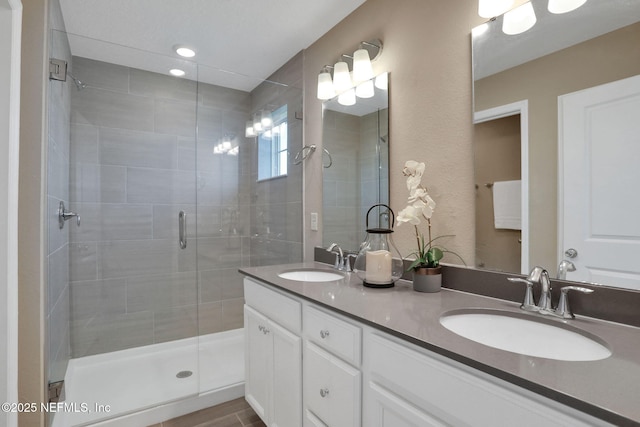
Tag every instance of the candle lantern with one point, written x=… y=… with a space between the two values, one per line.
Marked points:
x=379 y=263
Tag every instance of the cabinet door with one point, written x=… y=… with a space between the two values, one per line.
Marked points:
x=258 y=361
x=384 y=409
x=331 y=388
x=286 y=378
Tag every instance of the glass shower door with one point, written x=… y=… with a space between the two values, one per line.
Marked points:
x=132 y=295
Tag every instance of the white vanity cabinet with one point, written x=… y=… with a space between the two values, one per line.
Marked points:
x=331 y=369
x=309 y=366
x=405 y=385
x=273 y=355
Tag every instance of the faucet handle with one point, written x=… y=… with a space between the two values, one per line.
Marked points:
x=347 y=264
x=528 y=304
x=563 y=310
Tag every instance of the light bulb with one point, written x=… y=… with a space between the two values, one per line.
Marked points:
x=382 y=81
x=248 y=130
x=564 y=6
x=519 y=20
x=325 y=85
x=365 y=89
x=362 y=69
x=266 y=119
x=177 y=72
x=493 y=8
x=347 y=98
x=257 y=123
x=341 y=77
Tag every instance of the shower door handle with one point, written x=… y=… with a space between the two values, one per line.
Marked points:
x=182 y=229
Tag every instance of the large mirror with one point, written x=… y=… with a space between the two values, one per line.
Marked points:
x=555 y=108
x=355 y=140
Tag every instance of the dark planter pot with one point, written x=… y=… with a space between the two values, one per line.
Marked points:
x=427 y=279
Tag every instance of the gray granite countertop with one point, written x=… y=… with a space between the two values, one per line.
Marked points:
x=608 y=389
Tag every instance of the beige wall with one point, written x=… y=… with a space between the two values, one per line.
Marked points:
x=31 y=235
x=427 y=50
x=610 y=57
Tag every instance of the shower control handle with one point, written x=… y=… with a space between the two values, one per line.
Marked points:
x=182 y=230
x=65 y=215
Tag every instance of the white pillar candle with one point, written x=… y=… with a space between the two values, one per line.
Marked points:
x=378 y=267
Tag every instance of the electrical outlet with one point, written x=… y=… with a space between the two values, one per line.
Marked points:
x=314 y=221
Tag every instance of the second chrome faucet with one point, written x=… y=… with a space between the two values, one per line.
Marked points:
x=539 y=275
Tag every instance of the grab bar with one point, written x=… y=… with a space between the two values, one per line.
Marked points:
x=182 y=229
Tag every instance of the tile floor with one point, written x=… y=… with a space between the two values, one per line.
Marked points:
x=236 y=413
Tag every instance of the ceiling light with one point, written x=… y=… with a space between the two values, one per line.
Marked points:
x=519 y=20
x=177 y=72
x=184 y=51
x=325 y=85
x=341 y=77
x=564 y=6
x=493 y=8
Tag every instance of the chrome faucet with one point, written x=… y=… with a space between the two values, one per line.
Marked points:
x=541 y=276
x=336 y=249
x=564 y=267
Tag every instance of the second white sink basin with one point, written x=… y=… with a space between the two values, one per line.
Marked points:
x=311 y=275
x=524 y=335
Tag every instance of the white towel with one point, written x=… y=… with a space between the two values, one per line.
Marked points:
x=507 y=204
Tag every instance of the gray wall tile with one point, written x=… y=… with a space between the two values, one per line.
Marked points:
x=139 y=149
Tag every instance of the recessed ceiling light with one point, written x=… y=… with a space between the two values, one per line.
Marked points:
x=184 y=51
x=177 y=72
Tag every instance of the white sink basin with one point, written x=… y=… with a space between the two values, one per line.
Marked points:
x=311 y=275
x=519 y=334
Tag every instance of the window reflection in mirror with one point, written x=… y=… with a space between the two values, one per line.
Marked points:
x=357 y=138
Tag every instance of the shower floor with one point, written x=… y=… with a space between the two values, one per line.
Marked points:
x=141 y=386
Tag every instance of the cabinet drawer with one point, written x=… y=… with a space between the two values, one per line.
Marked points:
x=333 y=334
x=441 y=389
x=278 y=307
x=331 y=388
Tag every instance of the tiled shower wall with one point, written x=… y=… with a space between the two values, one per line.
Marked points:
x=276 y=204
x=351 y=185
x=133 y=168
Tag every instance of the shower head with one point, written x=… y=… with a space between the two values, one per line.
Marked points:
x=79 y=84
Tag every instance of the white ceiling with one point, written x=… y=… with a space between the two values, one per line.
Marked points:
x=241 y=42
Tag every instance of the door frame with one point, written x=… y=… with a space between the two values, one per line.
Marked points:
x=10 y=123
x=507 y=110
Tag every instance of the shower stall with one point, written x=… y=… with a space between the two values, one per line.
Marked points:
x=153 y=203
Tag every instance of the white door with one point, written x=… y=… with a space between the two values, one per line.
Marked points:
x=599 y=182
x=258 y=352
x=286 y=378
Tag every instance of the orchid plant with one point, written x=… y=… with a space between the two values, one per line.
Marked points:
x=421 y=206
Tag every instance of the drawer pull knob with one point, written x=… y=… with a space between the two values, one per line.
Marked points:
x=324 y=334
x=324 y=392
x=266 y=331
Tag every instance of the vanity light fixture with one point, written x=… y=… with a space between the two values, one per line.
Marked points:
x=184 y=51
x=382 y=81
x=249 y=131
x=343 y=80
x=177 y=72
x=266 y=120
x=493 y=8
x=325 y=84
x=564 y=6
x=365 y=89
x=348 y=97
x=519 y=20
x=362 y=69
x=341 y=77
x=257 y=122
